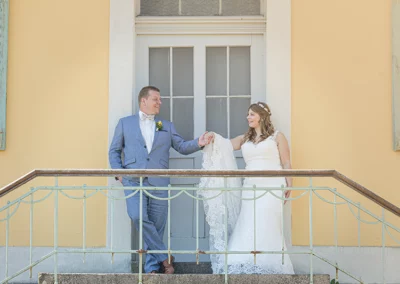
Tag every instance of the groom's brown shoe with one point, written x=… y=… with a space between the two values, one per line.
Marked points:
x=169 y=267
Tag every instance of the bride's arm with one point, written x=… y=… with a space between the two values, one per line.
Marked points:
x=237 y=142
x=284 y=153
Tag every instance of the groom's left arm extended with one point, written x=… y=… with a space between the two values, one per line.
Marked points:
x=182 y=146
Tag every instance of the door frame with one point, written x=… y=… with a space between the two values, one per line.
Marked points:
x=122 y=98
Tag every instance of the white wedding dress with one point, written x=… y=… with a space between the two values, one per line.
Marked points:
x=265 y=214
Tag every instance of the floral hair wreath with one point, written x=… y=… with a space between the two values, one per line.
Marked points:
x=264 y=108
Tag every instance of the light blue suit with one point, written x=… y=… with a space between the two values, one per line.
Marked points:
x=128 y=151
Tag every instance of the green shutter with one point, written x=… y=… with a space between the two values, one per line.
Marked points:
x=3 y=70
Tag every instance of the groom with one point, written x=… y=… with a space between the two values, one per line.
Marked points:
x=143 y=141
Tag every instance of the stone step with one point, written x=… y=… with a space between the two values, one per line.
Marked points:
x=184 y=268
x=46 y=278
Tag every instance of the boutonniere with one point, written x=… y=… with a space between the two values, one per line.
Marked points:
x=159 y=125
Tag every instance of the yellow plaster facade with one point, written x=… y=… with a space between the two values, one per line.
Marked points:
x=57 y=115
x=342 y=109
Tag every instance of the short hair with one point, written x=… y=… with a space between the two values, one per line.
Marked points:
x=144 y=92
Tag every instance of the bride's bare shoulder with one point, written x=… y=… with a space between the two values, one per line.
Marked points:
x=238 y=138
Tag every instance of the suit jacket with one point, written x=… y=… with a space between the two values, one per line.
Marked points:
x=128 y=148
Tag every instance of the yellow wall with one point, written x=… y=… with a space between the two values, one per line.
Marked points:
x=57 y=110
x=342 y=109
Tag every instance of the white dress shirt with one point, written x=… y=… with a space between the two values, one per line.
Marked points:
x=148 y=128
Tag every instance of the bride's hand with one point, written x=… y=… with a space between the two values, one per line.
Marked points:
x=287 y=195
x=210 y=137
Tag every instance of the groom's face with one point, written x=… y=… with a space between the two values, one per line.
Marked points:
x=151 y=104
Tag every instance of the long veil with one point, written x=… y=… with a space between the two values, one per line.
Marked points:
x=219 y=156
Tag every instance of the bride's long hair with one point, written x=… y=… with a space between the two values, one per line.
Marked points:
x=267 y=128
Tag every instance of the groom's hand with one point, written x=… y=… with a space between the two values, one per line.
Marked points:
x=206 y=138
x=202 y=140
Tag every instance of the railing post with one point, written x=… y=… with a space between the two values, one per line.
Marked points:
x=7 y=236
x=141 y=232
x=226 y=230
x=255 y=223
x=112 y=204
x=56 y=232
x=311 y=233
x=197 y=227
x=335 y=228
x=359 y=224
x=31 y=234
x=283 y=226
x=169 y=224
x=84 y=224
x=383 y=246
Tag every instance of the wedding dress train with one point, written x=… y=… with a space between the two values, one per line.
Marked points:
x=252 y=225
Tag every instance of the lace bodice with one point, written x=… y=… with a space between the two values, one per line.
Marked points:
x=263 y=155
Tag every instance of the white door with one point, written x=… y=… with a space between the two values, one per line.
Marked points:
x=207 y=82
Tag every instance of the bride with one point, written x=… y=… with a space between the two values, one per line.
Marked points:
x=263 y=148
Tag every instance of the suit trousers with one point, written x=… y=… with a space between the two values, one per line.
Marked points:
x=154 y=219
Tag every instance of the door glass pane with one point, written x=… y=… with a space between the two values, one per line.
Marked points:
x=238 y=121
x=182 y=70
x=165 y=109
x=216 y=71
x=159 y=7
x=183 y=117
x=200 y=7
x=182 y=85
x=216 y=118
x=240 y=7
x=239 y=86
x=239 y=71
x=159 y=69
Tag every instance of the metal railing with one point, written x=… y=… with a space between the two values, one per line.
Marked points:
x=311 y=190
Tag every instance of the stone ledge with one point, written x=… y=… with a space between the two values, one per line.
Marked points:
x=184 y=267
x=46 y=278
